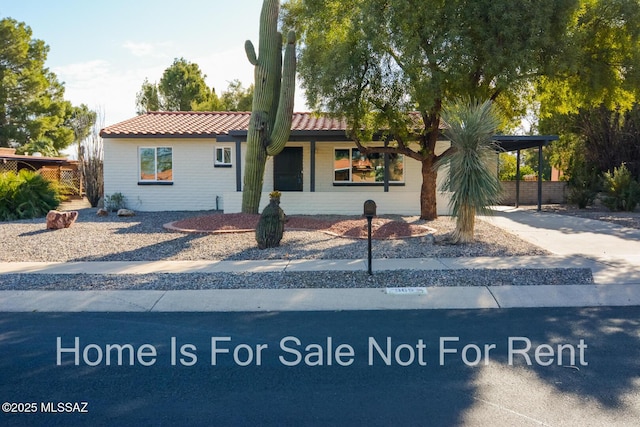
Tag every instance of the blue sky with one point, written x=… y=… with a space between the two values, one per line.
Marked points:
x=103 y=50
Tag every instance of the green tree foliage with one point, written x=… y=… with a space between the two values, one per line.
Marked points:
x=592 y=100
x=181 y=87
x=32 y=106
x=601 y=64
x=152 y=97
x=374 y=61
x=148 y=99
x=471 y=179
x=234 y=98
x=26 y=195
x=507 y=170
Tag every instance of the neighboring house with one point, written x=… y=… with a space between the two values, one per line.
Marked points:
x=163 y=161
x=59 y=169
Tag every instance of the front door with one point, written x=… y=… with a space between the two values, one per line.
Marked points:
x=287 y=170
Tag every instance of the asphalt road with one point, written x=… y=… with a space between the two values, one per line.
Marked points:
x=436 y=368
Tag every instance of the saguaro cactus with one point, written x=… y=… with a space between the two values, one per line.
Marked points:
x=273 y=98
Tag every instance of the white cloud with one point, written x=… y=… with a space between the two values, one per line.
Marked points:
x=146 y=49
x=139 y=49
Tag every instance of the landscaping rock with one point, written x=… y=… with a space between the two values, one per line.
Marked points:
x=102 y=212
x=57 y=220
x=126 y=212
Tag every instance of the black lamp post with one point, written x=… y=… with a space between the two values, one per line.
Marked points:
x=369 y=212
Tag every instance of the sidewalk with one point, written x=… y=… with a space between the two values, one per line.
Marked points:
x=610 y=251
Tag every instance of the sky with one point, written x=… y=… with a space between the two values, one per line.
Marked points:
x=103 y=50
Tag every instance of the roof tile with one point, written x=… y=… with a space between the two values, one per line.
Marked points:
x=191 y=123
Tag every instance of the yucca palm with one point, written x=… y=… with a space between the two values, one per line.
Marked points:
x=471 y=177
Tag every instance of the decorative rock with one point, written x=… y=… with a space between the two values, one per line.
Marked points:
x=57 y=220
x=102 y=212
x=126 y=212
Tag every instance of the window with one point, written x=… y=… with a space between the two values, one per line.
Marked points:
x=223 y=157
x=351 y=166
x=156 y=164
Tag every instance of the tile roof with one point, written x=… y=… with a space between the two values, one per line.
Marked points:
x=207 y=124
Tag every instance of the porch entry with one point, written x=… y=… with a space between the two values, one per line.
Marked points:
x=287 y=170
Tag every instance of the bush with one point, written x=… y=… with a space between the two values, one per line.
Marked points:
x=622 y=192
x=584 y=183
x=26 y=195
x=114 y=202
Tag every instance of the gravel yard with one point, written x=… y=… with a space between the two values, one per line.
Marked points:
x=143 y=238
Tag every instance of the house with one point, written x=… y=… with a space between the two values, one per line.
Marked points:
x=195 y=160
x=163 y=161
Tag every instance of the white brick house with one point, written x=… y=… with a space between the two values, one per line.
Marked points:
x=163 y=161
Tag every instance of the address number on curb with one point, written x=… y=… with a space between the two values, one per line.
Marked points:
x=407 y=291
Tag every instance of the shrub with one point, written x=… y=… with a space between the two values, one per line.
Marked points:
x=114 y=202
x=26 y=195
x=622 y=192
x=584 y=183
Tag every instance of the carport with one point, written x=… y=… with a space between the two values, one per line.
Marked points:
x=522 y=142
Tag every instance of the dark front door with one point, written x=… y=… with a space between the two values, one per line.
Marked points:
x=287 y=170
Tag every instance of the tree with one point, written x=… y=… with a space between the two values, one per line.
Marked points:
x=236 y=97
x=602 y=64
x=148 y=99
x=182 y=85
x=508 y=167
x=33 y=111
x=471 y=179
x=593 y=100
x=82 y=121
x=181 y=88
x=273 y=98
x=375 y=61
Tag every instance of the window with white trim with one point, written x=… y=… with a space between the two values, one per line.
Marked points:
x=156 y=164
x=223 y=157
x=351 y=166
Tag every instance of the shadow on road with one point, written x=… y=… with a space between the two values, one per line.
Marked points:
x=316 y=389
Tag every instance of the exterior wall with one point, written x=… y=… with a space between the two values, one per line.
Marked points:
x=349 y=199
x=552 y=192
x=342 y=203
x=196 y=182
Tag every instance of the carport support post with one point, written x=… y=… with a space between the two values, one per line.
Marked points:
x=540 y=177
x=517 y=178
x=369 y=212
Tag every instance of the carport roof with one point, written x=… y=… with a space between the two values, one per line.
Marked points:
x=521 y=142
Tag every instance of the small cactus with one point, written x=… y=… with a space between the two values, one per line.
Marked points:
x=271 y=225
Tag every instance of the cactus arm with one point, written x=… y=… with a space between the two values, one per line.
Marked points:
x=251 y=52
x=282 y=127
